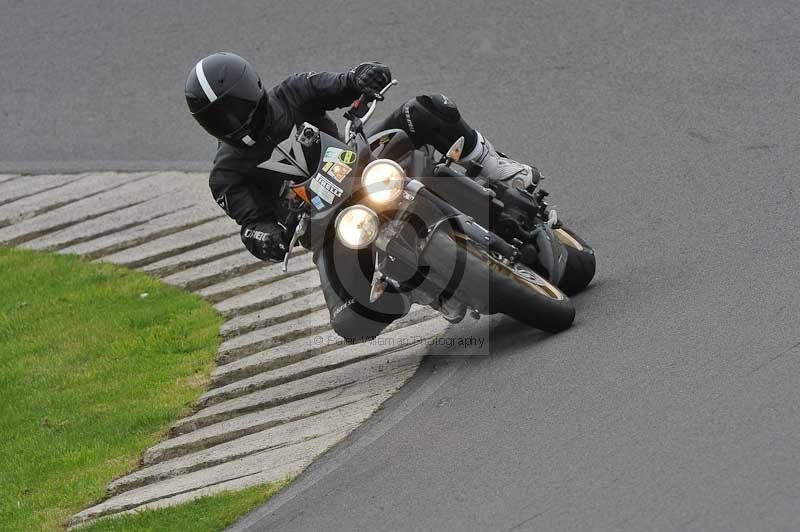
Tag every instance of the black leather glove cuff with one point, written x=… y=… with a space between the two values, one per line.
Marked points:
x=265 y=240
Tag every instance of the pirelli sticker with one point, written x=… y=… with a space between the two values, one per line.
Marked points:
x=324 y=189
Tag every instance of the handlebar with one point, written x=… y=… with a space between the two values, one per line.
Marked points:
x=354 y=117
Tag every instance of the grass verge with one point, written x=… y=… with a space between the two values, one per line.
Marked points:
x=207 y=514
x=96 y=361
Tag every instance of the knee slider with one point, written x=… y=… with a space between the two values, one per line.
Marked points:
x=441 y=106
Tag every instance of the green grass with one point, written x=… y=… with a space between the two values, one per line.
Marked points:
x=92 y=372
x=208 y=514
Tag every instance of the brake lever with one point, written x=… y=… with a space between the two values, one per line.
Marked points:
x=384 y=90
x=299 y=231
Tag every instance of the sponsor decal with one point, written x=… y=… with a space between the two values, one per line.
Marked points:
x=385 y=139
x=332 y=154
x=222 y=201
x=347 y=157
x=321 y=192
x=338 y=171
x=325 y=182
x=301 y=192
x=317 y=203
x=327 y=166
x=277 y=162
x=407 y=114
x=256 y=235
x=324 y=188
x=341 y=307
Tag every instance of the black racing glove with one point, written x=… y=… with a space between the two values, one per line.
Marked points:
x=370 y=78
x=265 y=240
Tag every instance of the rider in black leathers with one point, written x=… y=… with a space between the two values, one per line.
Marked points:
x=225 y=95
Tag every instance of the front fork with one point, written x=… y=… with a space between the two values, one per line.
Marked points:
x=392 y=244
x=385 y=253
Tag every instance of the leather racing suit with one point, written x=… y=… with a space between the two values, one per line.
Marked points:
x=245 y=182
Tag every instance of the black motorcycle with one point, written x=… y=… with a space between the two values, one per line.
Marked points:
x=433 y=231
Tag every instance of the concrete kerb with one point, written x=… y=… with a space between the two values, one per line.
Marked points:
x=281 y=398
x=234 y=428
x=336 y=419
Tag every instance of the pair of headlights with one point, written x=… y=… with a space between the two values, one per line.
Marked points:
x=383 y=181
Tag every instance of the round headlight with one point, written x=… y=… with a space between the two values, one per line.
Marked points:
x=383 y=180
x=357 y=226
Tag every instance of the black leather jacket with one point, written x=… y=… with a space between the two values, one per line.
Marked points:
x=248 y=192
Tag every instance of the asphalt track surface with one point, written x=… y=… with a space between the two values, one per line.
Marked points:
x=669 y=131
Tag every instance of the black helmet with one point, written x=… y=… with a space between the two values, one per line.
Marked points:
x=223 y=92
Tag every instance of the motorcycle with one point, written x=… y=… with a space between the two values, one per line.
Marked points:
x=432 y=230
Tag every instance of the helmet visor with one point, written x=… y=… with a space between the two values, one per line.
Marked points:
x=226 y=115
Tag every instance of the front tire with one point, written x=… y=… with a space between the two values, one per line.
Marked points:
x=512 y=289
x=526 y=296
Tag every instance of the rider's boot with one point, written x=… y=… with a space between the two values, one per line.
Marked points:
x=497 y=167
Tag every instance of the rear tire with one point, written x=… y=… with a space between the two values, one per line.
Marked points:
x=581 y=265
